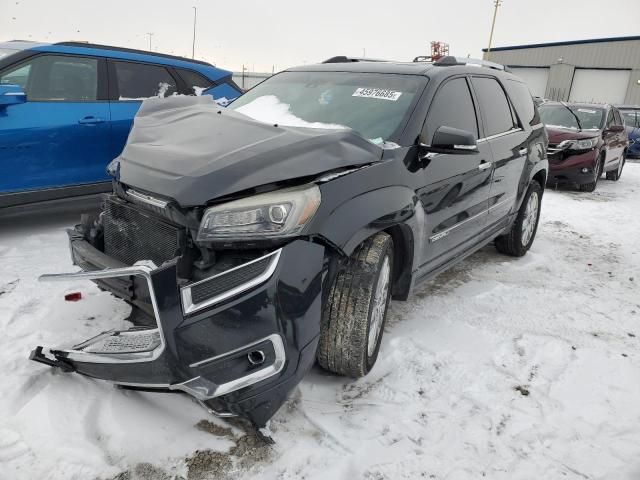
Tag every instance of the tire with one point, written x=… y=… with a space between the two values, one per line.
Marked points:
x=519 y=239
x=591 y=186
x=356 y=304
x=615 y=175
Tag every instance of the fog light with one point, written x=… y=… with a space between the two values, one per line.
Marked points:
x=585 y=170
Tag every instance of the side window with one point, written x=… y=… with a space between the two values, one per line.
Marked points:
x=17 y=75
x=452 y=107
x=56 y=78
x=610 y=118
x=196 y=83
x=617 y=118
x=137 y=81
x=494 y=105
x=523 y=102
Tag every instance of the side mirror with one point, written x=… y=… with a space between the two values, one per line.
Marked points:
x=452 y=140
x=615 y=128
x=11 y=95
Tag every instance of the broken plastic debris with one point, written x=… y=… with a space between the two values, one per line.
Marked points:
x=73 y=297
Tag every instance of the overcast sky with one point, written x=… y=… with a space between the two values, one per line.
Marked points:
x=281 y=33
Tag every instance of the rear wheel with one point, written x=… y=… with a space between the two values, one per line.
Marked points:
x=355 y=312
x=523 y=231
x=597 y=173
x=617 y=173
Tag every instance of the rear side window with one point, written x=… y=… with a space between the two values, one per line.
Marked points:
x=56 y=78
x=523 y=102
x=137 y=81
x=494 y=105
x=196 y=83
x=452 y=107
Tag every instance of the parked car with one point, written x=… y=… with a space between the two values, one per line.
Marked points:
x=585 y=141
x=251 y=241
x=631 y=117
x=66 y=110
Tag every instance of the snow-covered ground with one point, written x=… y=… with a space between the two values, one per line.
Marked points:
x=501 y=368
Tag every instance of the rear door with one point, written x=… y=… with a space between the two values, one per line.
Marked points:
x=129 y=84
x=508 y=144
x=456 y=188
x=60 y=136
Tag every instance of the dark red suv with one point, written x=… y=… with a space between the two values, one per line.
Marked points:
x=585 y=140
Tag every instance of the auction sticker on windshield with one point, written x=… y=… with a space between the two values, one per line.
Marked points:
x=380 y=93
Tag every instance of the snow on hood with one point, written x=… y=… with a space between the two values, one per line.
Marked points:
x=269 y=109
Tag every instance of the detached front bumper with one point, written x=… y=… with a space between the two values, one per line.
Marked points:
x=238 y=341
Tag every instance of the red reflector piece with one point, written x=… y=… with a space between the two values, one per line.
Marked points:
x=73 y=297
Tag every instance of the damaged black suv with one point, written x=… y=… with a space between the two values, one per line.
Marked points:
x=255 y=240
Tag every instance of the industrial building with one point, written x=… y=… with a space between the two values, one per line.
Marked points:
x=603 y=70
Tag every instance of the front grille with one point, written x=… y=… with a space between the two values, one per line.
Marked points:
x=132 y=234
x=228 y=280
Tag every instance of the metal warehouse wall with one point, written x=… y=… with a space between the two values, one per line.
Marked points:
x=603 y=55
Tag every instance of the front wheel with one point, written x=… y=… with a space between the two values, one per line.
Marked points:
x=597 y=173
x=355 y=312
x=519 y=239
x=617 y=173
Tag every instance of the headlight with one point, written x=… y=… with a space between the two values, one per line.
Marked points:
x=282 y=213
x=584 y=144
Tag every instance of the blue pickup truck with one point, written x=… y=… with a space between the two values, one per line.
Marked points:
x=66 y=110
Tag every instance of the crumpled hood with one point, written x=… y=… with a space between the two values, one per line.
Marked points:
x=191 y=150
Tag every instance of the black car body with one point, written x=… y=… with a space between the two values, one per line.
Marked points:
x=235 y=319
x=585 y=141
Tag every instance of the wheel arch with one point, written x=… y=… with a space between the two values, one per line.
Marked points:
x=391 y=210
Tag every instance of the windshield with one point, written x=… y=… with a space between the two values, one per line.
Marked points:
x=631 y=117
x=374 y=105
x=6 y=51
x=572 y=116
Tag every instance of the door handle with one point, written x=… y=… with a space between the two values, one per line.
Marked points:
x=90 y=120
x=522 y=151
x=484 y=165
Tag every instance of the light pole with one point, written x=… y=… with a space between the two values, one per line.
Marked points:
x=193 y=48
x=497 y=4
x=150 y=35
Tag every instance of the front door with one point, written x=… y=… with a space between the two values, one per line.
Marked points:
x=456 y=189
x=60 y=136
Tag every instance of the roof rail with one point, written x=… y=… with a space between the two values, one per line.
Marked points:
x=345 y=59
x=129 y=50
x=451 y=61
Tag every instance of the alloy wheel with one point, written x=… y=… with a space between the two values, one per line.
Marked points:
x=530 y=218
x=379 y=306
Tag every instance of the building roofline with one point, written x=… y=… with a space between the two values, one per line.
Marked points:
x=570 y=42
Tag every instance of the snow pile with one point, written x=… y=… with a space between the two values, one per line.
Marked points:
x=269 y=109
x=501 y=368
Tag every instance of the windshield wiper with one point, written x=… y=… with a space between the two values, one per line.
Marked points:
x=574 y=115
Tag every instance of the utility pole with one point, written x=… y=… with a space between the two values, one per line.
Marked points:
x=193 y=48
x=150 y=35
x=497 y=4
